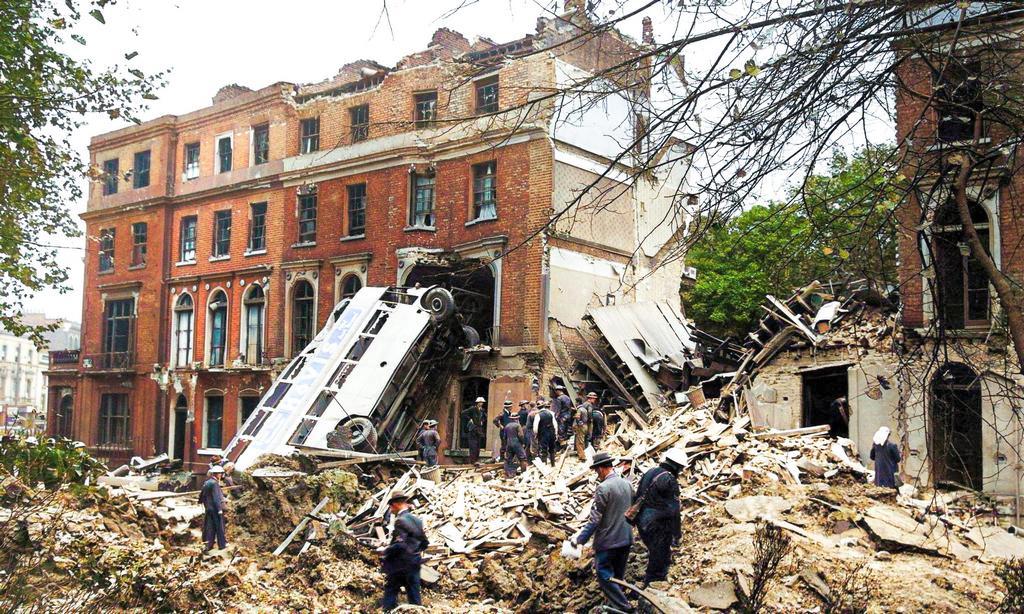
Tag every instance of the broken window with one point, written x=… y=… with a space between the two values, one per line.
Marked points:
x=487 y=95
x=309 y=135
x=323 y=400
x=119 y=318
x=302 y=315
x=295 y=367
x=956 y=426
x=218 y=328
x=301 y=433
x=187 y=239
x=307 y=218
x=962 y=284
x=279 y=391
x=484 y=191
x=257 y=227
x=350 y=285
x=341 y=373
x=425 y=109
x=140 y=170
x=376 y=323
x=360 y=121
x=183 y=318
x=356 y=209
x=959 y=103
x=221 y=233
x=422 y=209
x=107 y=249
x=114 y=420
x=359 y=348
x=139 y=239
x=261 y=144
x=191 y=161
x=257 y=424
x=214 y=421
x=110 y=172
x=248 y=405
x=224 y=154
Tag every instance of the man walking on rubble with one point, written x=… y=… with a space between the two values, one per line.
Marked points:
x=612 y=534
x=581 y=425
x=887 y=459
x=401 y=561
x=598 y=425
x=524 y=421
x=211 y=497
x=515 y=453
x=658 y=519
x=545 y=427
x=429 y=441
x=563 y=409
x=501 y=422
x=473 y=419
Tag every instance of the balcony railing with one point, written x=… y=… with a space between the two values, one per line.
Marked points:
x=64 y=357
x=109 y=361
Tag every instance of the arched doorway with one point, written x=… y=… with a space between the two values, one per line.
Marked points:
x=956 y=426
x=65 y=413
x=470 y=389
x=472 y=285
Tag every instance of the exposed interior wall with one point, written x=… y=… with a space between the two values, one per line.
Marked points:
x=580 y=281
x=604 y=213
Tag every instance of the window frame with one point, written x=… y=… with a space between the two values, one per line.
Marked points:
x=359 y=126
x=422 y=218
x=421 y=118
x=484 y=106
x=219 y=154
x=137 y=174
x=257 y=222
x=113 y=323
x=306 y=203
x=221 y=247
x=308 y=313
x=111 y=176
x=249 y=306
x=139 y=247
x=309 y=142
x=481 y=173
x=218 y=322
x=107 y=245
x=208 y=423
x=260 y=151
x=187 y=334
x=355 y=208
x=182 y=237
x=190 y=170
x=114 y=420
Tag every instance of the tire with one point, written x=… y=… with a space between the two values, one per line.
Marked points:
x=439 y=302
x=359 y=434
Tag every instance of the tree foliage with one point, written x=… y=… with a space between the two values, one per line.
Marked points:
x=48 y=88
x=838 y=223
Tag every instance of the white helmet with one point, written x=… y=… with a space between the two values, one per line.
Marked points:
x=480 y=400
x=676 y=456
x=216 y=469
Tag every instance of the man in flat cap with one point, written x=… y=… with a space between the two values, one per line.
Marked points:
x=402 y=560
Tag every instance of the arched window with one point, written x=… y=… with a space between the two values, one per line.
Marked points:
x=303 y=303
x=956 y=423
x=183 y=315
x=254 y=308
x=218 y=328
x=180 y=427
x=65 y=412
x=963 y=293
x=350 y=285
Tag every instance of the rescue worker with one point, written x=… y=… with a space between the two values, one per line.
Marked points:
x=401 y=561
x=524 y=421
x=598 y=425
x=563 y=409
x=229 y=471
x=429 y=441
x=515 y=453
x=545 y=427
x=501 y=422
x=581 y=425
x=887 y=459
x=531 y=435
x=612 y=534
x=658 y=520
x=473 y=421
x=211 y=497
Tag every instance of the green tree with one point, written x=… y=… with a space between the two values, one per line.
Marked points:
x=47 y=90
x=839 y=223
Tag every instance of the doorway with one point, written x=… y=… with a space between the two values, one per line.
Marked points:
x=825 y=399
x=472 y=388
x=956 y=426
x=180 y=424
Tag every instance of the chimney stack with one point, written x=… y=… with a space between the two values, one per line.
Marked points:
x=648 y=37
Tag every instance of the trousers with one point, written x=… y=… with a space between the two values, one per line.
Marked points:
x=659 y=554
x=395 y=581
x=547 y=444
x=429 y=455
x=213 y=529
x=580 y=431
x=474 y=448
x=612 y=564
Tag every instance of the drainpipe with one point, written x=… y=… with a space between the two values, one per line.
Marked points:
x=1016 y=500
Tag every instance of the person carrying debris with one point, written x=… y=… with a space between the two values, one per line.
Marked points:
x=501 y=422
x=563 y=408
x=545 y=427
x=658 y=518
x=581 y=425
x=612 y=535
x=598 y=425
x=211 y=497
x=473 y=419
x=515 y=442
x=887 y=459
x=429 y=441
x=401 y=561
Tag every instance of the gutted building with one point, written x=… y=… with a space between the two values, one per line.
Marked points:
x=219 y=240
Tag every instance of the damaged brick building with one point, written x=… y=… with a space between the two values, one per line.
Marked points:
x=219 y=240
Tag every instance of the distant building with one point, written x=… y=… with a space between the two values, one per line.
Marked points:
x=23 y=381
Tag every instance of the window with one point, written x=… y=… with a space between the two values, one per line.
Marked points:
x=357 y=210
x=218 y=328
x=114 y=420
x=309 y=131
x=65 y=412
x=962 y=284
x=191 y=161
x=487 y=95
x=223 y=154
x=255 y=302
x=249 y=405
x=187 y=239
x=484 y=192
x=214 y=421
x=139 y=238
x=422 y=210
x=183 y=318
x=110 y=171
x=221 y=233
x=307 y=218
x=106 y=250
x=360 y=119
x=302 y=315
x=425 y=109
x=261 y=144
x=119 y=316
x=140 y=170
x=959 y=102
x=350 y=285
x=257 y=227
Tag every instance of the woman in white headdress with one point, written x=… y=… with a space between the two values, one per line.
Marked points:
x=887 y=459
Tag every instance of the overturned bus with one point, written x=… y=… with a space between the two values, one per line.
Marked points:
x=346 y=389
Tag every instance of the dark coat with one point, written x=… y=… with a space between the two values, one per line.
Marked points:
x=211 y=497
x=660 y=511
x=474 y=420
x=887 y=463
x=597 y=421
x=407 y=542
x=429 y=439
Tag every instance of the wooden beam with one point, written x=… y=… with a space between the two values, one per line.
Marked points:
x=302 y=525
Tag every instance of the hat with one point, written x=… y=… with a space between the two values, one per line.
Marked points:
x=524 y=402
x=480 y=400
x=507 y=404
x=398 y=495
x=602 y=459
x=430 y=422
x=215 y=469
x=676 y=456
x=591 y=394
x=626 y=459
x=559 y=387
